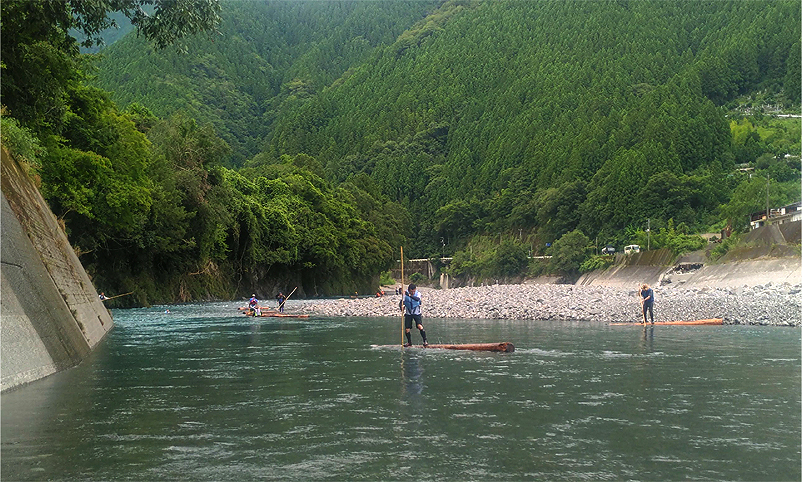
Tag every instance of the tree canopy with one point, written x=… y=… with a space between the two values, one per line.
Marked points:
x=308 y=140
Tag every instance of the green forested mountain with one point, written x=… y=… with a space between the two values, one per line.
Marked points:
x=305 y=141
x=267 y=54
x=147 y=202
x=520 y=116
x=493 y=116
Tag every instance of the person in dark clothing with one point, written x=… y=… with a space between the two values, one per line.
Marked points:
x=647 y=301
x=280 y=299
x=411 y=305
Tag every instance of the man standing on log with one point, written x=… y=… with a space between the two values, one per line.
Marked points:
x=280 y=299
x=412 y=312
x=647 y=300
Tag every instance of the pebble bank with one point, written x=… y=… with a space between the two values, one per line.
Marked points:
x=769 y=304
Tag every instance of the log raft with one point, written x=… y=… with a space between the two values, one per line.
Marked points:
x=281 y=315
x=269 y=313
x=504 y=347
x=709 y=321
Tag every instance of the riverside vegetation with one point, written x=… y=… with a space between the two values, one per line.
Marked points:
x=305 y=142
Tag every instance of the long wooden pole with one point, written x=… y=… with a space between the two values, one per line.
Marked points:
x=288 y=297
x=112 y=297
x=402 y=295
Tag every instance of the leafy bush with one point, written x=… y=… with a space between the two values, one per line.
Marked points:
x=568 y=252
x=21 y=142
x=485 y=258
x=511 y=259
x=416 y=278
x=596 y=262
x=723 y=247
x=385 y=279
x=670 y=237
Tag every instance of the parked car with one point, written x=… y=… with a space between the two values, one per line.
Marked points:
x=609 y=249
x=632 y=248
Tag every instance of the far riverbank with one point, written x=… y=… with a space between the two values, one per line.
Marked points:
x=769 y=304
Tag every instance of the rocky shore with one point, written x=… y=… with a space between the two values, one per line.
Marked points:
x=769 y=304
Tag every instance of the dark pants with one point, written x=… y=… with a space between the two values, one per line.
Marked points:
x=408 y=319
x=648 y=306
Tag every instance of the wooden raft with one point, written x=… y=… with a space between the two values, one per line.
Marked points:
x=709 y=321
x=277 y=315
x=505 y=347
x=269 y=313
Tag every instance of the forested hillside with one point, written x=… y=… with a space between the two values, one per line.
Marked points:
x=551 y=116
x=147 y=202
x=520 y=117
x=266 y=55
x=303 y=142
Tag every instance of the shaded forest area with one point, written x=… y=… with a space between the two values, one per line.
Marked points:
x=304 y=142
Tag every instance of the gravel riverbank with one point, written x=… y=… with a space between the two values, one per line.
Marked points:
x=770 y=304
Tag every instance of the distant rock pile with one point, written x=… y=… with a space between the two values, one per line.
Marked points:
x=770 y=304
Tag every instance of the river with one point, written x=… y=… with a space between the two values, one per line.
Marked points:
x=203 y=393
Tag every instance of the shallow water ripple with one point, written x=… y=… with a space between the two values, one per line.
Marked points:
x=204 y=393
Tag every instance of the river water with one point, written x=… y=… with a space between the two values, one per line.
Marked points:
x=203 y=393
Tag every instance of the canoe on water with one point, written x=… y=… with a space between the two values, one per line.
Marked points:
x=709 y=321
x=505 y=347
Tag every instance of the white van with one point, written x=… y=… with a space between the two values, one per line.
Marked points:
x=632 y=248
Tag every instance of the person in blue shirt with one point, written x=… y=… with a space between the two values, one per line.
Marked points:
x=647 y=300
x=253 y=304
x=411 y=302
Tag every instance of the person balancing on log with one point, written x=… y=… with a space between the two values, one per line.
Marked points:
x=411 y=307
x=647 y=300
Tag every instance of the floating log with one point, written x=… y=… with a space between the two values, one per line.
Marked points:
x=273 y=314
x=505 y=347
x=709 y=321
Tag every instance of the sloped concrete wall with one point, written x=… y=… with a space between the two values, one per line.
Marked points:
x=748 y=273
x=631 y=270
x=50 y=315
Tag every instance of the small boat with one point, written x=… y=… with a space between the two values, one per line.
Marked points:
x=709 y=321
x=505 y=347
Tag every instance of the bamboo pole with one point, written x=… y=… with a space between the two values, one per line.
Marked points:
x=402 y=295
x=112 y=297
x=287 y=297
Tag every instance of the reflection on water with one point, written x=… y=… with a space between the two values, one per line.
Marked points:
x=207 y=394
x=411 y=376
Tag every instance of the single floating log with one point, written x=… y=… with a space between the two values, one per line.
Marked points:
x=505 y=347
x=709 y=321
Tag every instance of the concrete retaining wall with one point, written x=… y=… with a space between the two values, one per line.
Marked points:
x=765 y=258
x=631 y=270
x=51 y=315
x=748 y=273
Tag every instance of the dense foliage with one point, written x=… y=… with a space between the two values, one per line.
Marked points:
x=269 y=58
x=556 y=116
x=309 y=140
x=150 y=209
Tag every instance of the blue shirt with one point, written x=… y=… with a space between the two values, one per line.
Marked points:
x=647 y=294
x=412 y=304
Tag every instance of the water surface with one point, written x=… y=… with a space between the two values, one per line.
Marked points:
x=204 y=393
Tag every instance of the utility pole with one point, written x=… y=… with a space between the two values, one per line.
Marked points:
x=767 y=199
